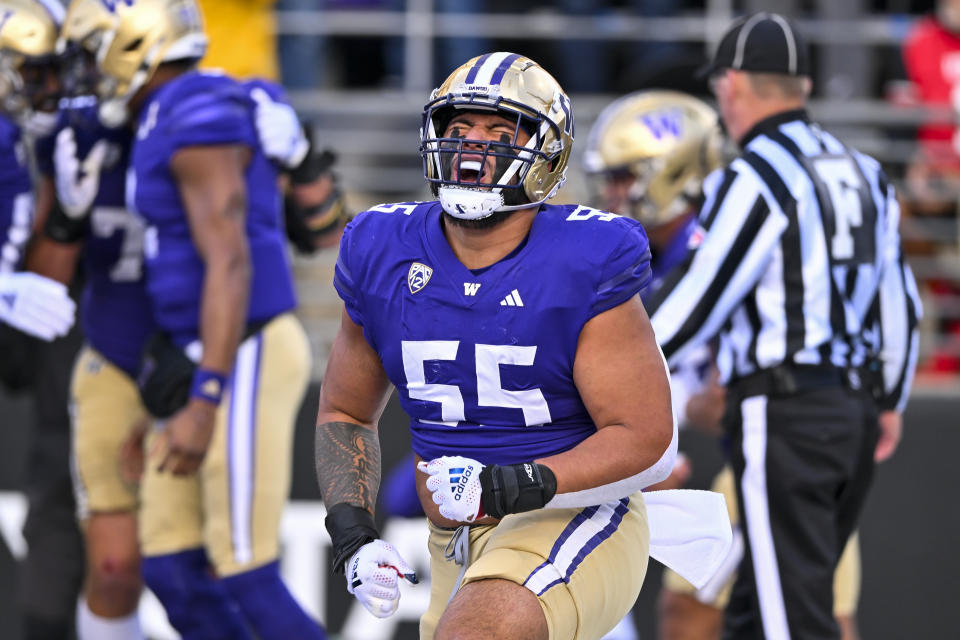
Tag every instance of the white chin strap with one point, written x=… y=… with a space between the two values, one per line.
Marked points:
x=469 y=204
x=113 y=113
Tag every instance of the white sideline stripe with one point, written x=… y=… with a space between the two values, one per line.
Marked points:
x=241 y=433
x=773 y=613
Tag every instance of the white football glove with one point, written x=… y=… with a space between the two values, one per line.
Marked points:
x=373 y=577
x=279 y=130
x=36 y=305
x=77 y=182
x=455 y=484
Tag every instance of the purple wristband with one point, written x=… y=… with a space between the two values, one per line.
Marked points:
x=208 y=385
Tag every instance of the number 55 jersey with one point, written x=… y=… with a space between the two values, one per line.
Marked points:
x=483 y=359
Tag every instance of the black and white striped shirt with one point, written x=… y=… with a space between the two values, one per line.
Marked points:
x=798 y=261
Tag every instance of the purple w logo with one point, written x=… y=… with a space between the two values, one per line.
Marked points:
x=664 y=123
x=111 y=5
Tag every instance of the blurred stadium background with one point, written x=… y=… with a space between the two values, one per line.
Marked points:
x=359 y=71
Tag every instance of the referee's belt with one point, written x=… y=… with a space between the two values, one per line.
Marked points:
x=789 y=379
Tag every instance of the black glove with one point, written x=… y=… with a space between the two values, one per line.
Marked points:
x=307 y=225
x=165 y=376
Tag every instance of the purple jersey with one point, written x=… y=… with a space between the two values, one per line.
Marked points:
x=202 y=109
x=674 y=253
x=483 y=361
x=115 y=310
x=16 y=197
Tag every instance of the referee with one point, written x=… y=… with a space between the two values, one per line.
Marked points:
x=797 y=266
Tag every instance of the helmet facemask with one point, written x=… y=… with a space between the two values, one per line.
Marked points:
x=129 y=42
x=29 y=67
x=463 y=164
x=30 y=91
x=524 y=166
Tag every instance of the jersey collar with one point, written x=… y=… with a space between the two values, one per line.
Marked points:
x=771 y=123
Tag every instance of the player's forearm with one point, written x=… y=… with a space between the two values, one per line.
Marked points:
x=347 y=457
x=55 y=260
x=223 y=313
x=616 y=454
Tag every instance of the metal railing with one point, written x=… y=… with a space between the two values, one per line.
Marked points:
x=374 y=131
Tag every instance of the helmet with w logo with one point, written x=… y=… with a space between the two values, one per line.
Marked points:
x=130 y=39
x=664 y=143
x=520 y=90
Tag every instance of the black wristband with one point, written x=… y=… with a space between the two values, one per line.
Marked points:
x=60 y=227
x=306 y=225
x=313 y=165
x=350 y=527
x=516 y=488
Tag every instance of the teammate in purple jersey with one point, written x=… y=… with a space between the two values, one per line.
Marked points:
x=219 y=282
x=115 y=312
x=88 y=163
x=515 y=337
x=29 y=304
x=50 y=574
x=85 y=163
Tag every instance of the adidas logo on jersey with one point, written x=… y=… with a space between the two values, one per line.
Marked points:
x=470 y=288
x=512 y=300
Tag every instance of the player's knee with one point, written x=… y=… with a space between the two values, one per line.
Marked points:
x=492 y=609
x=115 y=578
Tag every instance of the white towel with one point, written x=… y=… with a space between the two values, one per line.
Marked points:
x=689 y=531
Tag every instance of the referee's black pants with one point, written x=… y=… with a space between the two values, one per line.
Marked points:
x=803 y=463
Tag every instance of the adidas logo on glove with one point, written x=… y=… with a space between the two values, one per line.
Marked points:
x=460 y=476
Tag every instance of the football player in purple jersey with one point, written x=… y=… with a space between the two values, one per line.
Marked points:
x=32 y=306
x=218 y=280
x=512 y=330
x=29 y=89
x=87 y=162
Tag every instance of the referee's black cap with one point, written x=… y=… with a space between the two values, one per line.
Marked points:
x=762 y=42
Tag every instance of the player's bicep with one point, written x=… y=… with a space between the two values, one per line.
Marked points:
x=212 y=185
x=620 y=373
x=355 y=386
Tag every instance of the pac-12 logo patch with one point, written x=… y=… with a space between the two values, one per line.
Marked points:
x=418 y=276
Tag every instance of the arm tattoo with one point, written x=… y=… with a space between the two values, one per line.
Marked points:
x=348 y=464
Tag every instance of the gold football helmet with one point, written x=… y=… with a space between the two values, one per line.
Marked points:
x=130 y=39
x=29 y=86
x=660 y=145
x=516 y=88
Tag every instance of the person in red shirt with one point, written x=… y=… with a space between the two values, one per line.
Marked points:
x=931 y=55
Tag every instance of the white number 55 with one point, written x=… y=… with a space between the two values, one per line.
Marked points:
x=490 y=393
